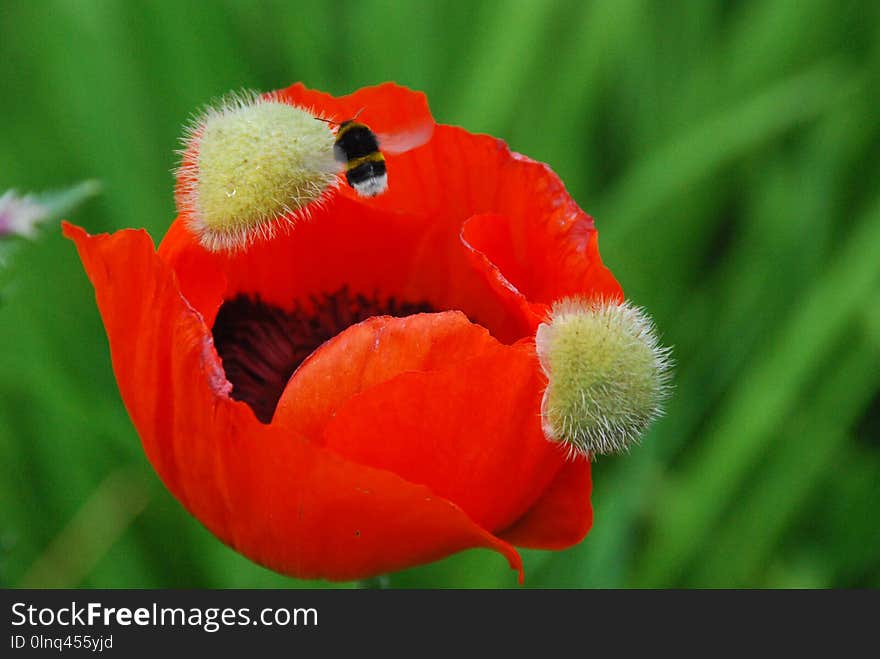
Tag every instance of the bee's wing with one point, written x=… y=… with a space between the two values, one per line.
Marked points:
x=405 y=140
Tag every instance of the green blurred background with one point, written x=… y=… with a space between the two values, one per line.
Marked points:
x=728 y=150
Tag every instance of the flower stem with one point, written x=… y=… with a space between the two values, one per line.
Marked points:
x=381 y=582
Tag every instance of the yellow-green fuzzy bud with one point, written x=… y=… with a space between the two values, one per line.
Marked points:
x=249 y=163
x=608 y=375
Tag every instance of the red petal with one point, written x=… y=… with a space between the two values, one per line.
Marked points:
x=543 y=243
x=385 y=108
x=562 y=516
x=276 y=497
x=348 y=243
x=201 y=277
x=543 y=257
x=368 y=354
x=437 y=401
x=344 y=244
x=545 y=246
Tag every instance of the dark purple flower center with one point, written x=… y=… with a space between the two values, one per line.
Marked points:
x=261 y=345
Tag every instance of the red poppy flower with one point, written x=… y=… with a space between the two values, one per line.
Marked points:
x=361 y=394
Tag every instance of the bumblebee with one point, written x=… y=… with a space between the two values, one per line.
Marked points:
x=359 y=150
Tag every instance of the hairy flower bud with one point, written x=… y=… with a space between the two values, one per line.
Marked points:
x=249 y=163
x=608 y=375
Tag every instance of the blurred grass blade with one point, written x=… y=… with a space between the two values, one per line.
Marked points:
x=502 y=61
x=90 y=533
x=806 y=450
x=764 y=395
x=694 y=155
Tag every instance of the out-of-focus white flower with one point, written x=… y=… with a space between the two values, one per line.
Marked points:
x=20 y=215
